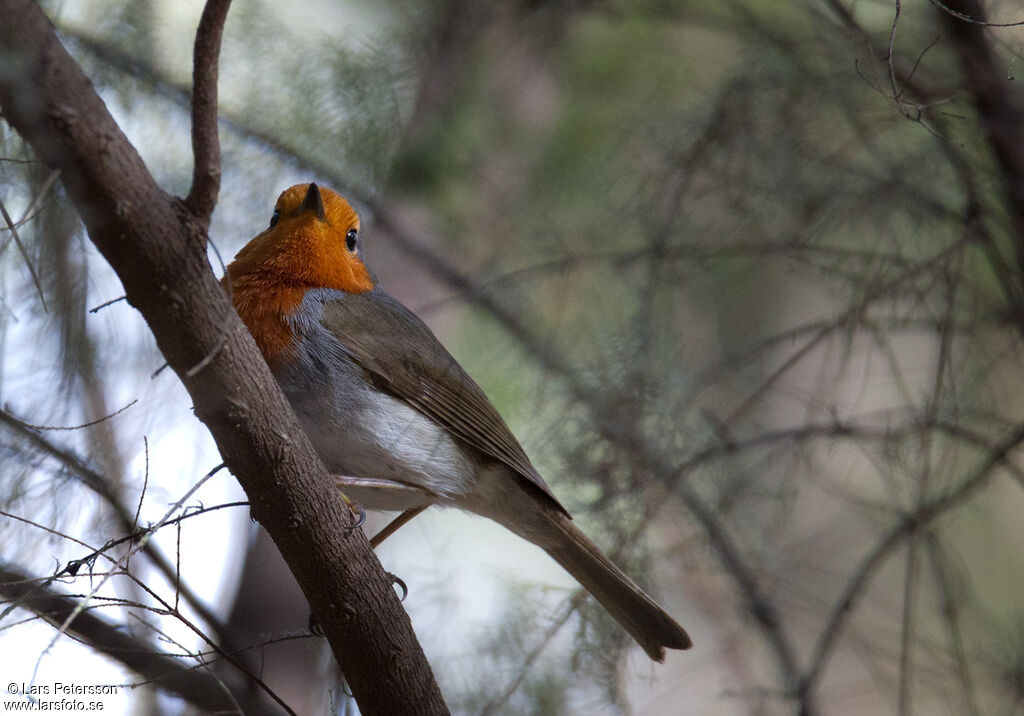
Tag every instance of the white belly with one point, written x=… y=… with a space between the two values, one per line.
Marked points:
x=386 y=439
x=362 y=432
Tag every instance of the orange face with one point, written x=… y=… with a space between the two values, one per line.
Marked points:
x=311 y=243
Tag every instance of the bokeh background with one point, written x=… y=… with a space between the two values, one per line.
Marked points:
x=744 y=277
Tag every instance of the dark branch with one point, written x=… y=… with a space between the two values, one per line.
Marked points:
x=202 y=197
x=999 y=104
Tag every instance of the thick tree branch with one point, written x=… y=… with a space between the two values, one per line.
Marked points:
x=158 y=249
x=202 y=197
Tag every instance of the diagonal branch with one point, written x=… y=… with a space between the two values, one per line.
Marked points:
x=202 y=197
x=998 y=102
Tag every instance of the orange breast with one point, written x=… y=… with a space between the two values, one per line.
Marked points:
x=263 y=308
x=299 y=251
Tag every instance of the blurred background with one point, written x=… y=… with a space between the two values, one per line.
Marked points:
x=744 y=277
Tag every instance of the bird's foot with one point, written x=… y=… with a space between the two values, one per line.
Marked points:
x=395 y=579
x=358 y=512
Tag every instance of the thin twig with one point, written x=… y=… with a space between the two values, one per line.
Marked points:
x=853 y=312
x=500 y=699
x=892 y=51
x=99 y=484
x=28 y=215
x=163 y=670
x=59 y=428
x=24 y=254
x=145 y=483
x=97 y=309
x=137 y=535
x=199 y=656
x=971 y=20
x=66 y=624
x=907 y=629
x=37 y=198
x=223 y=653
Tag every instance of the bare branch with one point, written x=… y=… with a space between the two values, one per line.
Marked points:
x=111 y=302
x=999 y=104
x=977 y=19
x=16 y=422
x=905 y=527
x=196 y=686
x=202 y=197
x=99 y=484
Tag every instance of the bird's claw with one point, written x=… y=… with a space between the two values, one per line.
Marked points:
x=360 y=515
x=395 y=579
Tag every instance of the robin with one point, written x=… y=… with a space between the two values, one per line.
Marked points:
x=382 y=400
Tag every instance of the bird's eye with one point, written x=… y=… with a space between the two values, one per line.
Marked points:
x=275 y=217
x=350 y=239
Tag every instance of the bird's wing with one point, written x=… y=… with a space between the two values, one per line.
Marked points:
x=404 y=358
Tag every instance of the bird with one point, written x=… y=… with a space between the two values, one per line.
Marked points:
x=384 y=402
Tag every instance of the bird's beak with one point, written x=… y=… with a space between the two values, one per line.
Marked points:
x=313 y=203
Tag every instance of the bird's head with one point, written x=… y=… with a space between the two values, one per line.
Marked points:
x=312 y=242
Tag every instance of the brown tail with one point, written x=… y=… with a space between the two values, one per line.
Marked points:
x=640 y=615
x=500 y=495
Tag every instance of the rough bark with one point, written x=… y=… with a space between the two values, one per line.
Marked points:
x=158 y=249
